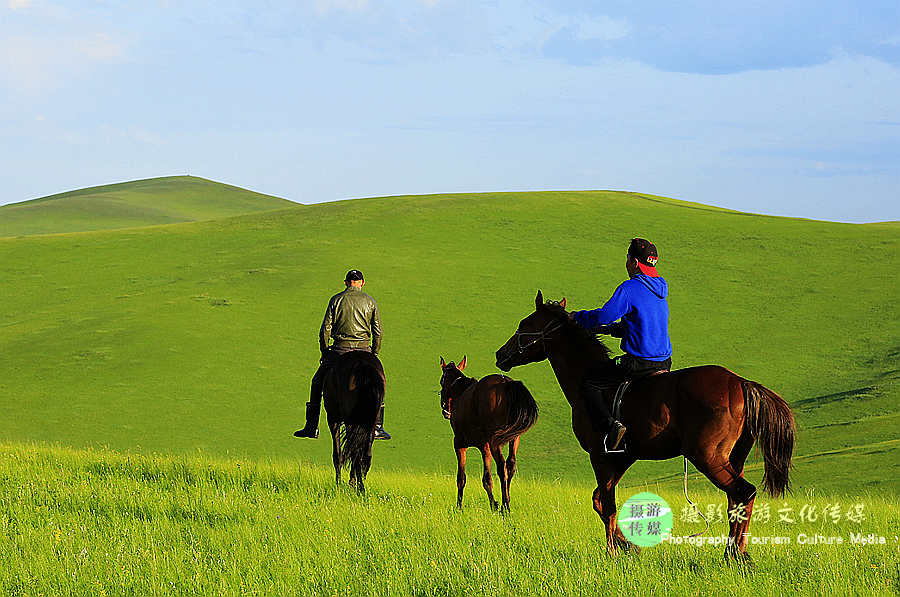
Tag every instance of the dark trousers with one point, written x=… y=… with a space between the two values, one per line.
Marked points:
x=318 y=381
x=633 y=367
x=599 y=382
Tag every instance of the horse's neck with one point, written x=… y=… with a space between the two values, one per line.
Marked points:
x=460 y=385
x=571 y=359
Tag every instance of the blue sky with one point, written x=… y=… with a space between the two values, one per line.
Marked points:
x=769 y=107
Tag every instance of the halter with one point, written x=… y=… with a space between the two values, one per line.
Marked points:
x=450 y=396
x=542 y=336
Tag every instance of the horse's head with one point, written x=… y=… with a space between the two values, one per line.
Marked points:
x=450 y=373
x=528 y=344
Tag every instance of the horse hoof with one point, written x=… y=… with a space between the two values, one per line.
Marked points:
x=741 y=559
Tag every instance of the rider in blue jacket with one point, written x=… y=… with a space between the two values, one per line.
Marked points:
x=640 y=304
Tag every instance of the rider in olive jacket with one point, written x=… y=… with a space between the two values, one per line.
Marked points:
x=352 y=322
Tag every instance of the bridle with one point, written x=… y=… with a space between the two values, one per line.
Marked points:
x=540 y=336
x=446 y=411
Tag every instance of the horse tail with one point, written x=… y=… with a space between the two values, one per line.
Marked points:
x=359 y=420
x=771 y=423
x=523 y=412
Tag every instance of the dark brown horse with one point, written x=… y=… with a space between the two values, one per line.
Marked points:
x=485 y=414
x=353 y=393
x=708 y=414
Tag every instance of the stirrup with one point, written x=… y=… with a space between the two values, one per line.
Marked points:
x=622 y=444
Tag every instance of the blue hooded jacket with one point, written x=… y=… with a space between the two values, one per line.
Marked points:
x=641 y=304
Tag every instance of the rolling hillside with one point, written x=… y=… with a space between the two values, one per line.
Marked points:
x=130 y=204
x=202 y=335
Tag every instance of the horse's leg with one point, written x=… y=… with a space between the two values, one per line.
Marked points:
x=738 y=530
x=460 y=475
x=511 y=459
x=504 y=481
x=360 y=479
x=486 y=479
x=608 y=473
x=740 y=492
x=336 y=449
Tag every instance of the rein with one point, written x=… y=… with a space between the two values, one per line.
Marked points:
x=542 y=336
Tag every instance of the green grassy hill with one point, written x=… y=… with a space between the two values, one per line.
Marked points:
x=129 y=204
x=203 y=335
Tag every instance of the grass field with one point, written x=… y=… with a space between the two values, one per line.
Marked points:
x=103 y=523
x=202 y=335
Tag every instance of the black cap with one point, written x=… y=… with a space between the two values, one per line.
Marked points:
x=644 y=251
x=354 y=274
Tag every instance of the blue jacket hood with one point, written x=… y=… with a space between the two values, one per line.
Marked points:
x=657 y=286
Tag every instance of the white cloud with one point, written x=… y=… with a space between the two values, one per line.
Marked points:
x=18 y=4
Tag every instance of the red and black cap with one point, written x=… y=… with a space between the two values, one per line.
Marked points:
x=354 y=274
x=646 y=255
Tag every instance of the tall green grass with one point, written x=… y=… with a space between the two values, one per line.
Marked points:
x=102 y=523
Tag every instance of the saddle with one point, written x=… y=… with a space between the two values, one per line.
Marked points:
x=614 y=400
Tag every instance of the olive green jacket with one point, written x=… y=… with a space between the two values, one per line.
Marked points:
x=352 y=321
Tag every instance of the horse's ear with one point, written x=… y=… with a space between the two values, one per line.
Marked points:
x=539 y=300
x=443 y=364
x=562 y=303
x=462 y=364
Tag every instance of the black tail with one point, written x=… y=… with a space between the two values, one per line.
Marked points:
x=523 y=411
x=367 y=382
x=771 y=423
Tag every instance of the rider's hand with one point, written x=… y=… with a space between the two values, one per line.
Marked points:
x=616 y=330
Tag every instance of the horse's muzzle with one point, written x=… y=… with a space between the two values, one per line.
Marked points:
x=503 y=361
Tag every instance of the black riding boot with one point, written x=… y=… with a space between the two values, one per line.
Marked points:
x=311 y=430
x=380 y=433
x=601 y=419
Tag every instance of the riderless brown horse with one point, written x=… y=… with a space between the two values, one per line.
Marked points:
x=485 y=414
x=353 y=393
x=708 y=414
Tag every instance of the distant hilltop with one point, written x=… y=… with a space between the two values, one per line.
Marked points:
x=147 y=202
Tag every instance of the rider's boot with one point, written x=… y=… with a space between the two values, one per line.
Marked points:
x=380 y=433
x=601 y=419
x=311 y=429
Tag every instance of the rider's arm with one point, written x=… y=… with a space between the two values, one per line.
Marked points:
x=325 y=330
x=617 y=306
x=376 y=330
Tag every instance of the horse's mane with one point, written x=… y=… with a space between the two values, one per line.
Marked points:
x=577 y=331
